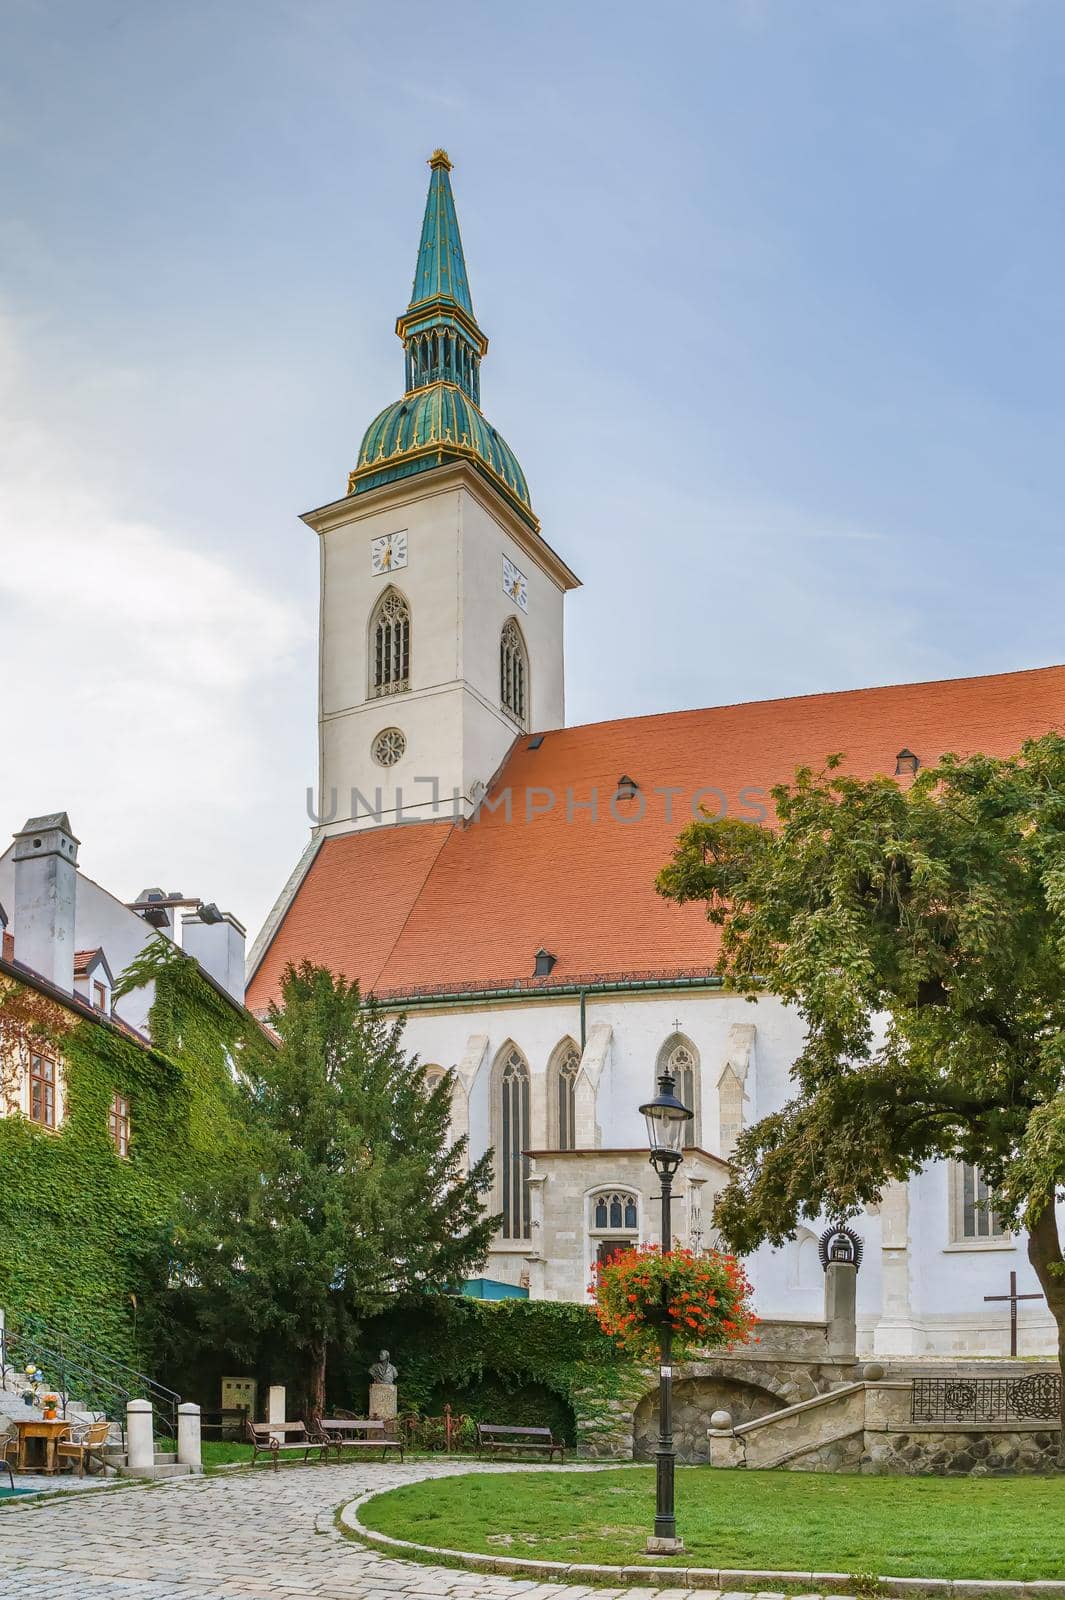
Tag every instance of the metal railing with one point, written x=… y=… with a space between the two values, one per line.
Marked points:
x=1034 y=1398
x=77 y=1370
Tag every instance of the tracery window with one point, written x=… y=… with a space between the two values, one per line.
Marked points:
x=390 y=644
x=389 y=747
x=567 y=1064
x=514 y=672
x=679 y=1057
x=513 y=1142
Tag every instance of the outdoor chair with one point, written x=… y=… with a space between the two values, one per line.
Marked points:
x=8 y=1448
x=84 y=1443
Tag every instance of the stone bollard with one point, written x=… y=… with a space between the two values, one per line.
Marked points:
x=275 y=1406
x=140 y=1437
x=188 y=1436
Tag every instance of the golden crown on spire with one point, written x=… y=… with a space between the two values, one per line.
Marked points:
x=440 y=158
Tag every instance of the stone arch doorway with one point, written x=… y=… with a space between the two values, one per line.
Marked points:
x=694 y=1402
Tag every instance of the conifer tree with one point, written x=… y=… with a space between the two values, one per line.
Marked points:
x=351 y=1191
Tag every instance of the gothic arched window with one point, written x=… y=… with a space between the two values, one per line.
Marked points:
x=679 y=1057
x=513 y=1142
x=390 y=644
x=432 y=1076
x=514 y=672
x=563 y=1090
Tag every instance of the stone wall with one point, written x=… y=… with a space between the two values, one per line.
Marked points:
x=959 y=1452
x=694 y=1402
x=866 y=1427
x=749 y=1383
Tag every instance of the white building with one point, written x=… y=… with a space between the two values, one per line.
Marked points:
x=491 y=872
x=72 y=938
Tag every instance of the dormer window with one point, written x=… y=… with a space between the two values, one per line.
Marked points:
x=906 y=763
x=93 y=980
x=545 y=961
x=627 y=788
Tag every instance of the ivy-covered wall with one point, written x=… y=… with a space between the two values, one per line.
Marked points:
x=528 y=1362
x=82 y=1230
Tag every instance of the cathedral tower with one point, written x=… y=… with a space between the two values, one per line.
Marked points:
x=440 y=636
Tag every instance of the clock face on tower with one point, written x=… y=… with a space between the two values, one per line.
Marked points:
x=514 y=584
x=388 y=553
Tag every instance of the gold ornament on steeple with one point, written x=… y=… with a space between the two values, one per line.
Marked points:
x=440 y=158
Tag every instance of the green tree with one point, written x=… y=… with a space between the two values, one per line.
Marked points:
x=351 y=1191
x=920 y=932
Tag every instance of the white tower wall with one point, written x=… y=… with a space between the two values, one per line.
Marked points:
x=456 y=730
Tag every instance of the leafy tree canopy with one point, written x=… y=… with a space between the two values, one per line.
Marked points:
x=920 y=932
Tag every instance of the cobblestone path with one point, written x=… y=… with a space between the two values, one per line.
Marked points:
x=243 y=1535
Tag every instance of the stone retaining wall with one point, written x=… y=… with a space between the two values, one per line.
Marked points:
x=866 y=1427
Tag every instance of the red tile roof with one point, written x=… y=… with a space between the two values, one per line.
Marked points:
x=436 y=905
x=83 y=960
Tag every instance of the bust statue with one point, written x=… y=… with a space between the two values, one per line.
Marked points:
x=382 y=1370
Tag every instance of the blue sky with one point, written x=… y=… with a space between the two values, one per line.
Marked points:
x=774 y=295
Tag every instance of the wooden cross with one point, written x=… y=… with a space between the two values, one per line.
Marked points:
x=1013 y=1298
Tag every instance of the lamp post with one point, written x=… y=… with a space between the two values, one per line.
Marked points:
x=666 y=1117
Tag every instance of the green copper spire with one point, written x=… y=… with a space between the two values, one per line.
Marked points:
x=439 y=420
x=441 y=270
x=439 y=330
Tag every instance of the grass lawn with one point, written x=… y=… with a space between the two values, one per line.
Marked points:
x=222 y=1452
x=786 y=1521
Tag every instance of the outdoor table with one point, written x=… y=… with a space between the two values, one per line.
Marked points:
x=40 y=1454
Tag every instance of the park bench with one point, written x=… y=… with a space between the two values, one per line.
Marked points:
x=356 y=1433
x=272 y=1438
x=492 y=1436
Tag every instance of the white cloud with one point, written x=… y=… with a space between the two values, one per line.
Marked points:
x=140 y=675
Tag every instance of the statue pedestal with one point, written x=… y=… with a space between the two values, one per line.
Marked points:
x=384 y=1404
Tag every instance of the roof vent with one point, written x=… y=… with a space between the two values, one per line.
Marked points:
x=627 y=789
x=545 y=961
x=535 y=743
x=906 y=762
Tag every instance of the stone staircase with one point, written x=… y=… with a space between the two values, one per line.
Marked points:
x=110 y=1395
x=904 y=1423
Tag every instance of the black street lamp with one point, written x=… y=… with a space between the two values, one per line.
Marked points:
x=666 y=1117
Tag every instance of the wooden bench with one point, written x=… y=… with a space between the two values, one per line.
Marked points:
x=272 y=1438
x=356 y=1433
x=492 y=1436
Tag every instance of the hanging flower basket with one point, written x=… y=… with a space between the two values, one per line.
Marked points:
x=703 y=1299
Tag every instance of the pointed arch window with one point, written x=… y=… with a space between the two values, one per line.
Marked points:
x=390 y=644
x=514 y=672
x=563 y=1092
x=513 y=1142
x=679 y=1057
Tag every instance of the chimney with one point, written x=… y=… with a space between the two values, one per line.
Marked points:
x=46 y=892
x=216 y=940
